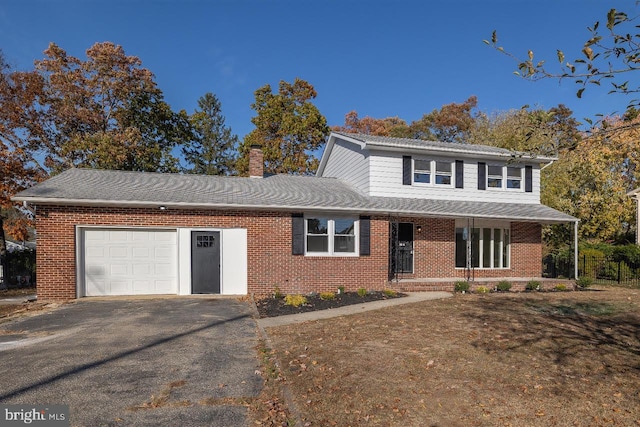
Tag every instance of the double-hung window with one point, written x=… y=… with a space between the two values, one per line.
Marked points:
x=514 y=177
x=501 y=177
x=443 y=173
x=331 y=236
x=422 y=171
x=494 y=176
x=433 y=172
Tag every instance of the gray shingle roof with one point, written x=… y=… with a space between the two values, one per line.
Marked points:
x=279 y=192
x=419 y=144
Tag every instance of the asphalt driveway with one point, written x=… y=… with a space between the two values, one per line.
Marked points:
x=157 y=361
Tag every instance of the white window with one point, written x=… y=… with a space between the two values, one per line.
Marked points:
x=489 y=247
x=442 y=172
x=331 y=236
x=422 y=171
x=494 y=176
x=514 y=177
x=501 y=177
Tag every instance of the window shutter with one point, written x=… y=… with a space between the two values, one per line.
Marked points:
x=297 y=233
x=482 y=176
x=528 y=179
x=459 y=174
x=365 y=235
x=406 y=170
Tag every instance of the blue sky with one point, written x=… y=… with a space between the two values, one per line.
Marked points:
x=380 y=58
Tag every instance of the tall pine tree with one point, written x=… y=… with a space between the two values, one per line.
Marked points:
x=212 y=151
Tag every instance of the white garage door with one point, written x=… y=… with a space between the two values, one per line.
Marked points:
x=130 y=262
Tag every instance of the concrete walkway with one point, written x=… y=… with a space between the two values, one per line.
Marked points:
x=411 y=297
x=18 y=299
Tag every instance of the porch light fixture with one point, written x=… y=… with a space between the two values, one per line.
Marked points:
x=163 y=208
x=419 y=229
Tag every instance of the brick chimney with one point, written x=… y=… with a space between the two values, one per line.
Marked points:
x=256 y=161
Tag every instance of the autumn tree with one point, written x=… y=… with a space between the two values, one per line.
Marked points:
x=609 y=56
x=213 y=147
x=105 y=112
x=289 y=127
x=389 y=126
x=591 y=181
x=17 y=170
x=534 y=131
x=451 y=123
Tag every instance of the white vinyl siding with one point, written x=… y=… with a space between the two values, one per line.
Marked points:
x=386 y=181
x=350 y=163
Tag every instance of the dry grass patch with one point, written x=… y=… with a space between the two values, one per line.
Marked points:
x=473 y=360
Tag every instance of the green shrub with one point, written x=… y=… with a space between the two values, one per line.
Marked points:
x=327 y=296
x=461 y=286
x=277 y=294
x=390 y=292
x=532 y=285
x=482 y=290
x=295 y=300
x=341 y=289
x=362 y=292
x=560 y=287
x=503 y=286
x=584 y=282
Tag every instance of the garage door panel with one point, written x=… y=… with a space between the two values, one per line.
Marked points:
x=119 y=236
x=140 y=253
x=119 y=270
x=130 y=262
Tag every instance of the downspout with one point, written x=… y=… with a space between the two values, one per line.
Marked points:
x=548 y=164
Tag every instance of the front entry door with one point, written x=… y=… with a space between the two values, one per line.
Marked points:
x=401 y=248
x=205 y=262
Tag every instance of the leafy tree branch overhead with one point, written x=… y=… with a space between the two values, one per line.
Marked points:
x=609 y=57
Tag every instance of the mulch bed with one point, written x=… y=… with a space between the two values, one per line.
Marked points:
x=272 y=307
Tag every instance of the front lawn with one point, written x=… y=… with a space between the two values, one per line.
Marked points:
x=514 y=359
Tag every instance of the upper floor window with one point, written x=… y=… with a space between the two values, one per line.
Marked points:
x=494 y=176
x=514 y=177
x=434 y=172
x=422 y=171
x=501 y=177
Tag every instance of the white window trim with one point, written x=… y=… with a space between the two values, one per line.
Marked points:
x=492 y=225
x=433 y=173
x=331 y=236
x=504 y=178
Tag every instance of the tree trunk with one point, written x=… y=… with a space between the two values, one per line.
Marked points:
x=3 y=257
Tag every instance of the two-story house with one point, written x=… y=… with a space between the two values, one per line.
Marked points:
x=381 y=212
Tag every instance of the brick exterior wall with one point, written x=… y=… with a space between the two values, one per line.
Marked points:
x=269 y=257
x=434 y=256
x=270 y=262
